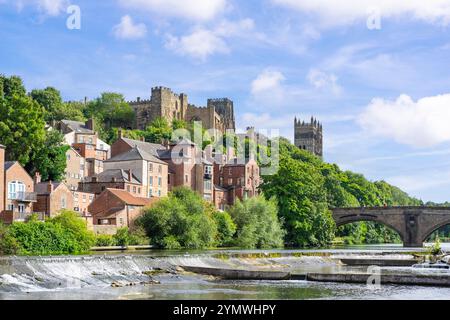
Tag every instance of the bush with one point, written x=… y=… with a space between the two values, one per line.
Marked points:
x=65 y=234
x=122 y=237
x=104 y=240
x=257 y=223
x=8 y=245
x=138 y=237
x=183 y=219
x=226 y=229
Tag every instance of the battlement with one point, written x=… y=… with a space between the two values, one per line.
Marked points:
x=220 y=100
x=139 y=101
x=314 y=123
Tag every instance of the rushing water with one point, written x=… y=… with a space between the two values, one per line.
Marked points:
x=91 y=277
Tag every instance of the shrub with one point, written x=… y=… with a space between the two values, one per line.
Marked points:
x=122 y=237
x=138 y=237
x=104 y=240
x=257 y=223
x=8 y=245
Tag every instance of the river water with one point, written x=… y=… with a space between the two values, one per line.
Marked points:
x=121 y=276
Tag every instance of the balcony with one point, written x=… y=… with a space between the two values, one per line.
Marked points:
x=22 y=196
x=9 y=216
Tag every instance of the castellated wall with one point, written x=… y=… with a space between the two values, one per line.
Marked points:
x=164 y=103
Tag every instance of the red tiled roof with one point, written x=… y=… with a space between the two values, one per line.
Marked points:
x=129 y=199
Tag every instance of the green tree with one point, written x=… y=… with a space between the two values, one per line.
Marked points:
x=21 y=122
x=257 y=224
x=226 y=228
x=50 y=100
x=158 y=131
x=50 y=158
x=183 y=219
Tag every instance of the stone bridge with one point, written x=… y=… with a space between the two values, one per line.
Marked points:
x=413 y=224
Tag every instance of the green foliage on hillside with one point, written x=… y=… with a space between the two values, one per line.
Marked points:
x=306 y=187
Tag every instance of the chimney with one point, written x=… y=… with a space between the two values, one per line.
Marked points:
x=90 y=124
x=120 y=133
x=37 y=178
x=50 y=187
x=130 y=175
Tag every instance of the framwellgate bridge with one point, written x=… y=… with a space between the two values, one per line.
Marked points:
x=413 y=224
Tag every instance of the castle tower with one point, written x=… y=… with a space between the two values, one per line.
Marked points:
x=225 y=108
x=309 y=136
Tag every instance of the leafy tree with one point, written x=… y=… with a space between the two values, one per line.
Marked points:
x=226 y=229
x=183 y=219
x=158 y=131
x=50 y=100
x=50 y=158
x=257 y=223
x=21 y=122
x=71 y=111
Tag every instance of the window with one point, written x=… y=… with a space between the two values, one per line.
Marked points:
x=159 y=193
x=159 y=181
x=150 y=167
x=151 y=181
x=139 y=190
x=134 y=189
x=16 y=190
x=230 y=181
x=68 y=156
x=21 y=208
x=208 y=169
x=160 y=169
x=186 y=178
x=10 y=207
x=121 y=221
x=207 y=185
x=63 y=202
x=84 y=198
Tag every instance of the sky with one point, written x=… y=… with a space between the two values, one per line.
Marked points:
x=375 y=73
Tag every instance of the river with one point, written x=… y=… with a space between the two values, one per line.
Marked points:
x=91 y=277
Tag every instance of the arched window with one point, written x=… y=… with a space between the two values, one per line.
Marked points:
x=16 y=190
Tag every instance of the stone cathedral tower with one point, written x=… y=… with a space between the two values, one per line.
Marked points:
x=308 y=136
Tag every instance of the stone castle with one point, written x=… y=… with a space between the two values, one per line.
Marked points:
x=309 y=136
x=164 y=103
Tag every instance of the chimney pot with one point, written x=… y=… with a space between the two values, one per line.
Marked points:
x=37 y=178
x=50 y=187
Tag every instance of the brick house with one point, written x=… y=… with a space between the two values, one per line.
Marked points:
x=113 y=179
x=75 y=169
x=81 y=202
x=115 y=208
x=150 y=171
x=240 y=179
x=52 y=197
x=19 y=195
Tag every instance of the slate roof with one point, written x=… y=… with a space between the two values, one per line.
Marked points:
x=9 y=164
x=77 y=126
x=151 y=148
x=119 y=174
x=41 y=187
x=135 y=154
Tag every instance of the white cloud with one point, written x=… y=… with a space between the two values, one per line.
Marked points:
x=322 y=80
x=199 y=44
x=47 y=7
x=332 y=12
x=203 y=42
x=127 y=29
x=199 y=10
x=422 y=123
x=267 y=80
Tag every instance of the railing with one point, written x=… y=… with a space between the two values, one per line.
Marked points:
x=23 y=196
x=9 y=216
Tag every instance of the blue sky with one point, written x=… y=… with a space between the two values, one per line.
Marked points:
x=382 y=90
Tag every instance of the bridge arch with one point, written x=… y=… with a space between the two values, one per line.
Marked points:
x=356 y=219
x=429 y=231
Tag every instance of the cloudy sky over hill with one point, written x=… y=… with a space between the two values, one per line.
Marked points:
x=376 y=73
